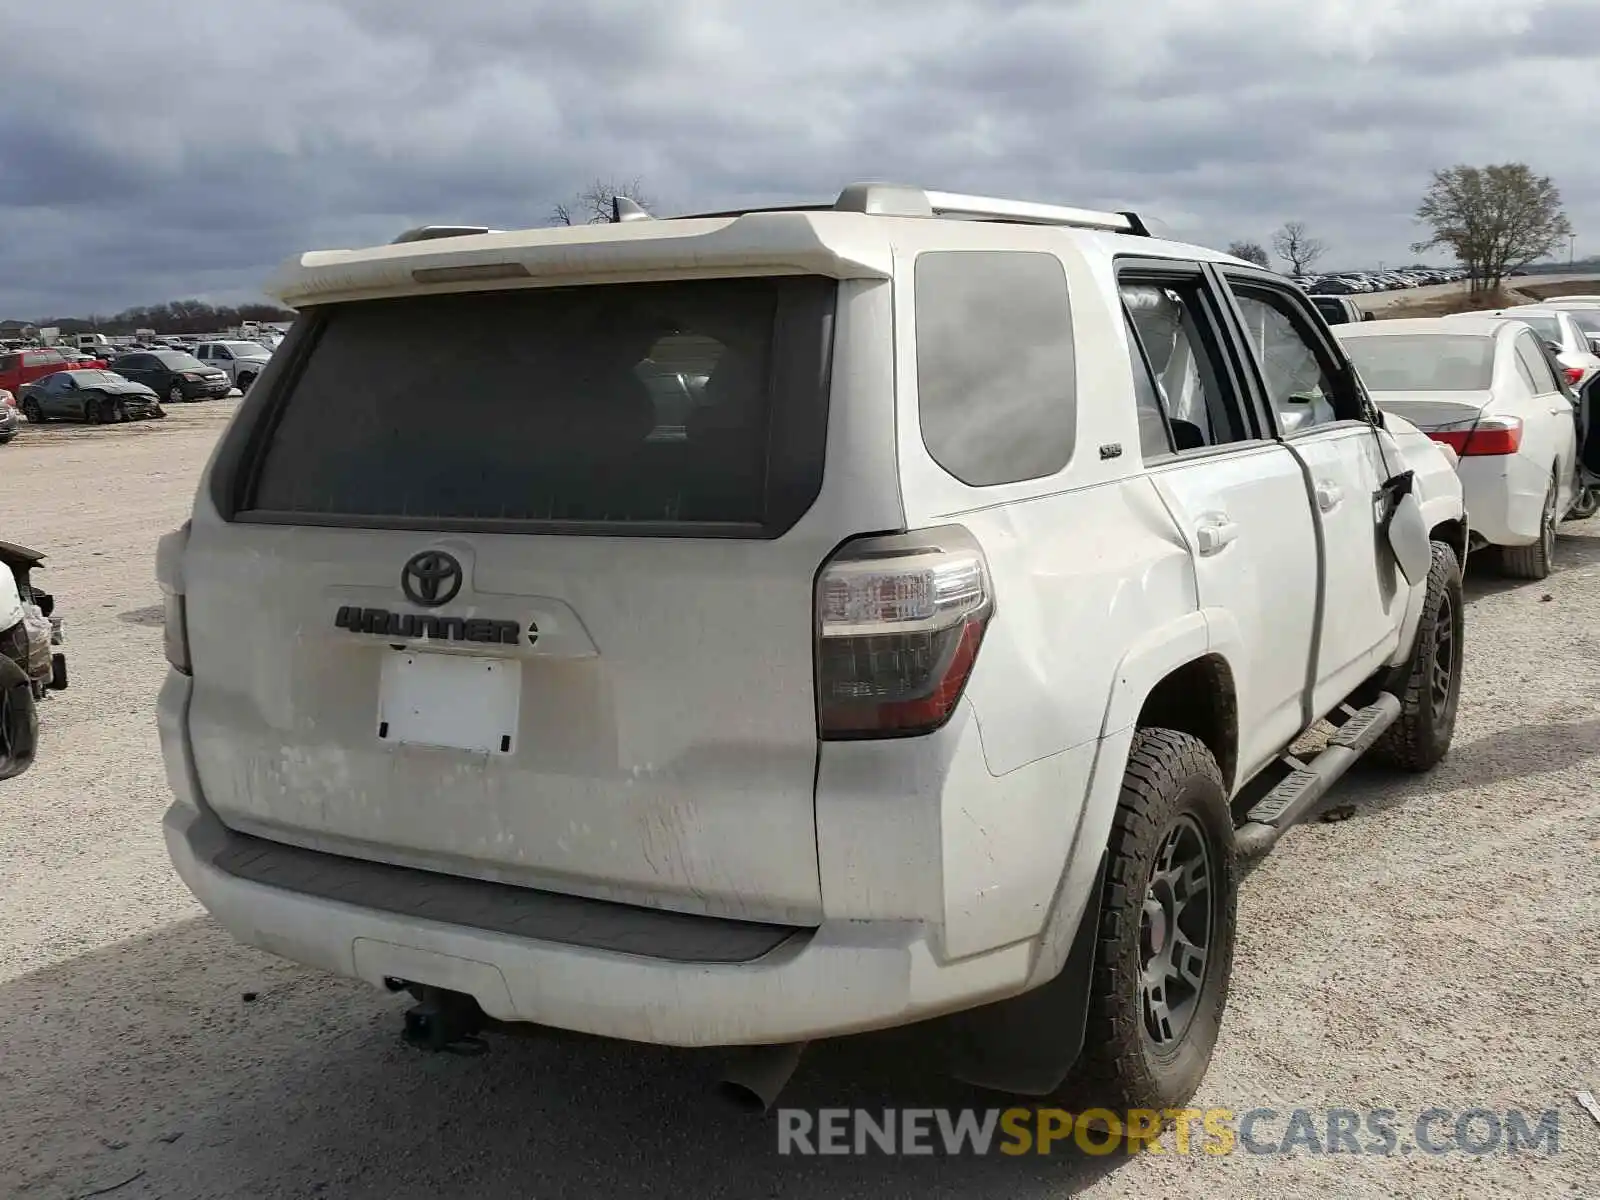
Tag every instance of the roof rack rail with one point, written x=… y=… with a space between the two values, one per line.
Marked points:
x=425 y=233
x=902 y=200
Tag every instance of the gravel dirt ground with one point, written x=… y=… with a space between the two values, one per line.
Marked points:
x=1441 y=948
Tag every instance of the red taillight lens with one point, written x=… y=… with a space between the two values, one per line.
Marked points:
x=1573 y=374
x=1492 y=435
x=899 y=624
x=175 y=632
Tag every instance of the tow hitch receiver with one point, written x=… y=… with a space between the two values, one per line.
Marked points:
x=444 y=1022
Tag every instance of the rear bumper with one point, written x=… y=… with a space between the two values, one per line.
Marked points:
x=341 y=915
x=200 y=389
x=1505 y=495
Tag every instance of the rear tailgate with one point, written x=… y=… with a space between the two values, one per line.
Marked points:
x=520 y=587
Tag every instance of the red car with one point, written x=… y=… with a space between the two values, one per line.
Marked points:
x=18 y=367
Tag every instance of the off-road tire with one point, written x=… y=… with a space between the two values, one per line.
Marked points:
x=1421 y=737
x=1535 y=561
x=1169 y=776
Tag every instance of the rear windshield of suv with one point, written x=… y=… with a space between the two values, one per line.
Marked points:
x=637 y=408
x=1423 y=362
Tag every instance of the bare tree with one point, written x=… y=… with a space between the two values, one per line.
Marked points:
x=1495 y=219
x=1251 y=252
x=1295 y=245
x=592 y=206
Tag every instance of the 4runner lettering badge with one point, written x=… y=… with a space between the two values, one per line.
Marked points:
x=380 y=622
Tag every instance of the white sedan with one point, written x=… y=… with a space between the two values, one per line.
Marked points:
x=1585 y=314
x=1567 y=339
x=1487 y=388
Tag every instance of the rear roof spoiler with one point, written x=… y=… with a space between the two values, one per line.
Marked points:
x=426 y=233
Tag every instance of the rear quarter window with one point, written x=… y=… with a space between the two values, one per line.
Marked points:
x=996 y=368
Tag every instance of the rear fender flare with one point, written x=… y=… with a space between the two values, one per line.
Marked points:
x=989 y=1041
x=1148 y=661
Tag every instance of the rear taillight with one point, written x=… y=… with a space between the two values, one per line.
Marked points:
x=175 y=633
x=1490 y=435
x=900 y=620
x=169 y=575
x=1574 y=375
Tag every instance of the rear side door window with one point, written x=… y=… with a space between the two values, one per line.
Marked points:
x=1535 y=363
x=1525 y=372
x=1155 y=429
x=996 y=365
x=1175 y=356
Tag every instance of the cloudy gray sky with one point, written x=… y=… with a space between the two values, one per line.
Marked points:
x=158 y=149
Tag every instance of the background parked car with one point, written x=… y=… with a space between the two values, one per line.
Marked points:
x=242 y=361
x=21 y=367
x=1484 y=387
x=1585 y=314
x=1567 y=341
x=98 y=397
x=174 y=374
x=1339 y=310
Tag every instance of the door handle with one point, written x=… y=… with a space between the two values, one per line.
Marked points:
x=1561 y=410
x=1329 y=496
x=1216 y=533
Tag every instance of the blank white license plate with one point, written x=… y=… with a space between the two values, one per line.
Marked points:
x=449 y=701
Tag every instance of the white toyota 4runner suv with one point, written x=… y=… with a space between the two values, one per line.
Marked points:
x=744 y=629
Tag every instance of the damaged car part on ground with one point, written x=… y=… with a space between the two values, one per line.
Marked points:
x=19 y=721
x=33 y=641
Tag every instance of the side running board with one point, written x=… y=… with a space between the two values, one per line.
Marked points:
x=1291 y=800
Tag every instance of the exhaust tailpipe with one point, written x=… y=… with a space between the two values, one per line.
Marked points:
x=755 y=1075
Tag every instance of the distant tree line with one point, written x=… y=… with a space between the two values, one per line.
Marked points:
x=176 y=316
x=1496 y=221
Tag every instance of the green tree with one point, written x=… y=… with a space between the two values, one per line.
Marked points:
x=1251 y=252
x=1495 y=219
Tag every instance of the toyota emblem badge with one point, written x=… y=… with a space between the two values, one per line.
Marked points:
x=431 y=578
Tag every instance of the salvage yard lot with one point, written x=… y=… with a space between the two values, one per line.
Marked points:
x=1441 y=948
